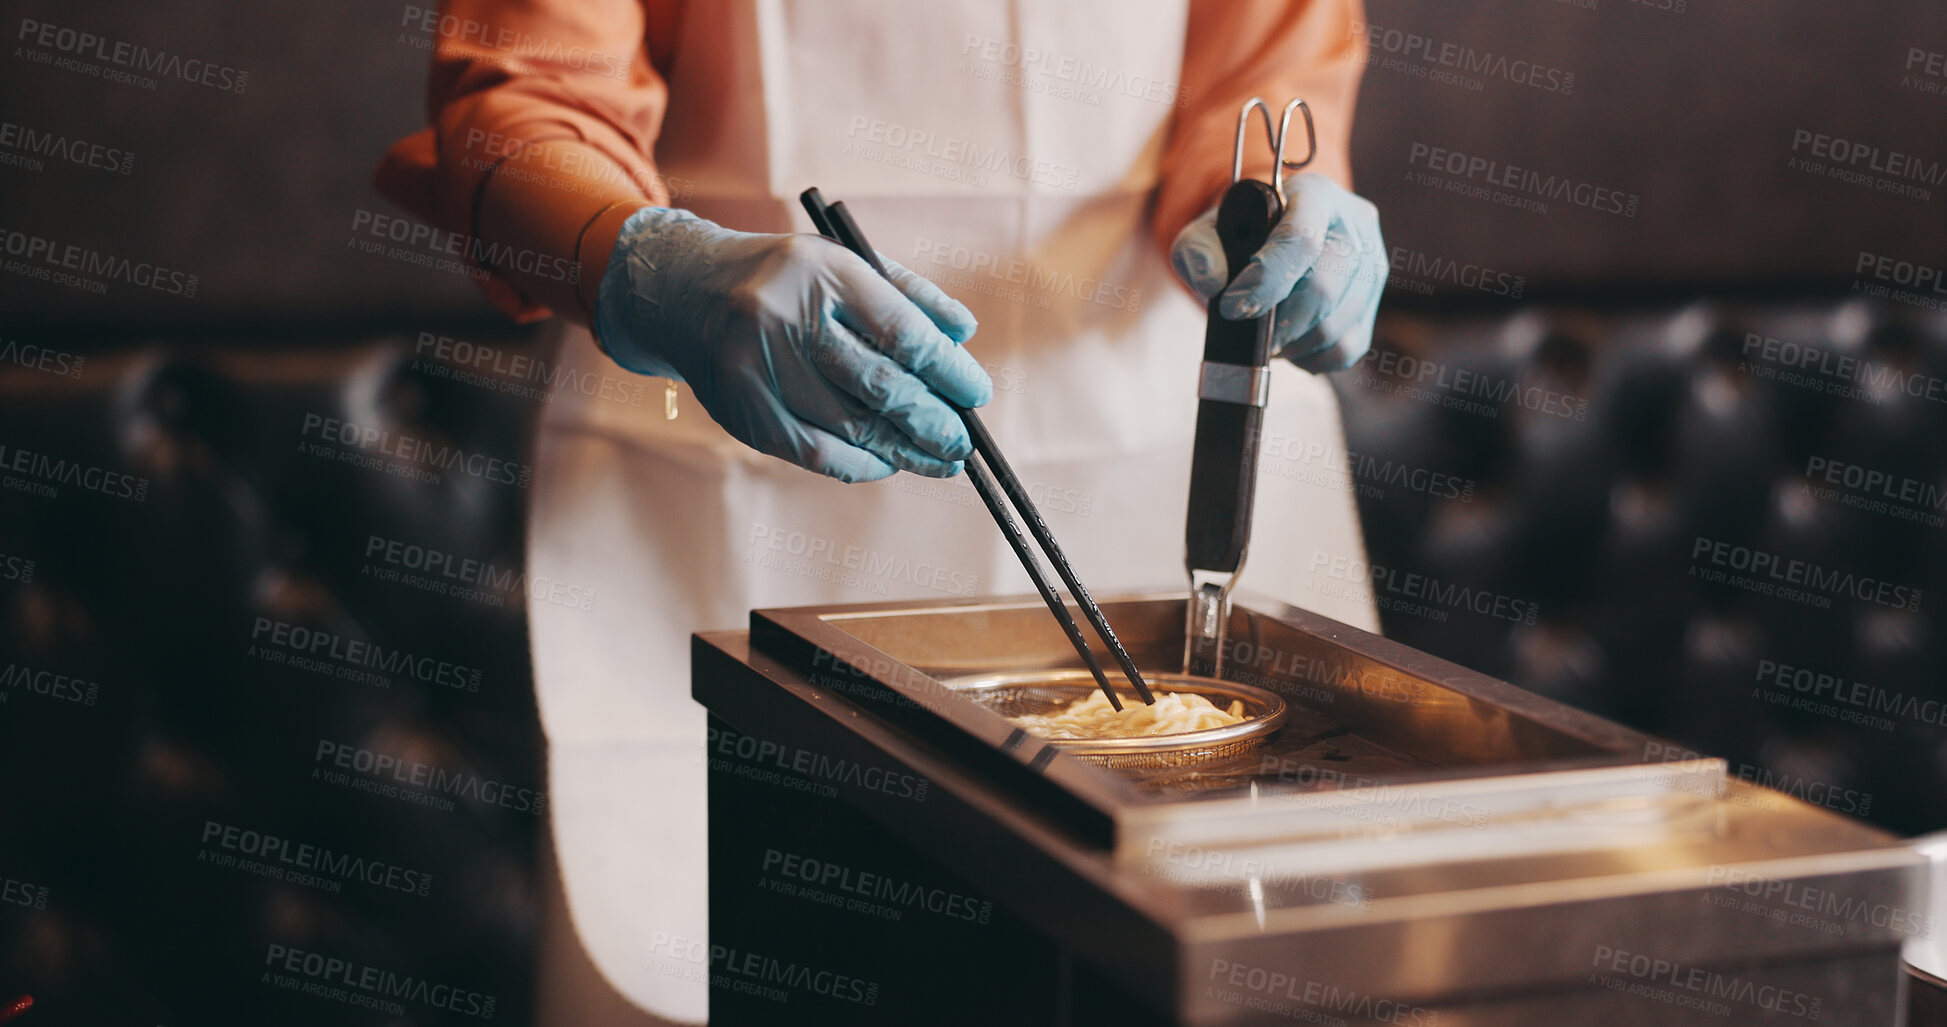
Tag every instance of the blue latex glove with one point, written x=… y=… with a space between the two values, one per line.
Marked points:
x=1324 y=267
x=794 y=345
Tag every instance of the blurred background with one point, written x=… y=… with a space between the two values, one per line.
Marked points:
x=1665 y=306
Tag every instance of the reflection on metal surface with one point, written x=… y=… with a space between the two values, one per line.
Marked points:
x=1927 y=951
x=1206 y=620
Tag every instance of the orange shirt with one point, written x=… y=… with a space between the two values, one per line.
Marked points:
x=508 y=74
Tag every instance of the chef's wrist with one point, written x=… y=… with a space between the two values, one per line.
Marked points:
x=596 y=245
x=545 y=215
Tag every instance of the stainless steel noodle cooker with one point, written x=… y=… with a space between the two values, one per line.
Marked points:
x=1414 y=838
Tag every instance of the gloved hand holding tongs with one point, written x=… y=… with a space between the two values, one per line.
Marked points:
x=1323 y=266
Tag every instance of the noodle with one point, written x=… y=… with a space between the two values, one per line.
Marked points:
x=1093 y=717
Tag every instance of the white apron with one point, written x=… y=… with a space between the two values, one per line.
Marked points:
x=1007 y=151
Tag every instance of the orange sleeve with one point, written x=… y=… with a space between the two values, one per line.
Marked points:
x=510 y=74
x=1275 y=49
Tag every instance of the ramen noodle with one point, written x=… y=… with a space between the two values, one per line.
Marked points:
x=1093 y=717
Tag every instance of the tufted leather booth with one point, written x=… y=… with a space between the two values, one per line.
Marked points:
x=1717 y=521
x=212 y=641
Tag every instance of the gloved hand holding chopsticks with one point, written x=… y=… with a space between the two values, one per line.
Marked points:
x=794 y=345
x=1323 y=268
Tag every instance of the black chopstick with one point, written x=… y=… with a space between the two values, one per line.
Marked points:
x=835 y=222
x=814 y=205
x=984 y=443
x=990 y=495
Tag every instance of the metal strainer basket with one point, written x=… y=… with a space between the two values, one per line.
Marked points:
x=1027 y=693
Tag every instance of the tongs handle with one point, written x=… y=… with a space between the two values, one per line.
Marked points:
x=1230 y=412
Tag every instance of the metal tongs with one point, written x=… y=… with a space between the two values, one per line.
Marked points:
x=1231 y=393
x=835 y=222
